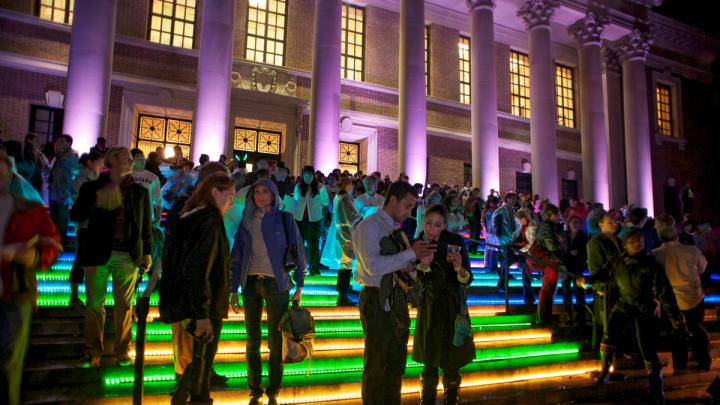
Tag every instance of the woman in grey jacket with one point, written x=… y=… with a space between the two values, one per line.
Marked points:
x=258 y=266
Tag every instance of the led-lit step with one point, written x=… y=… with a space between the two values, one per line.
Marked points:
x=343 y=328
x=493 y=358
x=234 y=350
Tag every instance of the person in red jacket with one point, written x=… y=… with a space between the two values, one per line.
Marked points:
x=29 y=241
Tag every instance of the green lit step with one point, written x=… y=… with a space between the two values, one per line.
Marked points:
x=486 y=359
x=63 y=300
x=343 y=328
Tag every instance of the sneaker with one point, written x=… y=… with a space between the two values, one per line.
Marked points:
x=124 y=359
x=254 y=401
x=217 y=379
x=272 y=401
x=75 y=301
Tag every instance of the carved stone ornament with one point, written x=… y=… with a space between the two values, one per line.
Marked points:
x=265 y=80
x=611 y=57
x=636 y=44
x=473 y=4
x=588 y=29
x=538 y=12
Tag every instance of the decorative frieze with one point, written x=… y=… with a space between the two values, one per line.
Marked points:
x=265 y=80
x=588 y=30
x=537 y=13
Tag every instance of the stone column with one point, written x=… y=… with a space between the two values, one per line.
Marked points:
x=325 y=102
x=634 y=48
x=614 y=137
x=212 y=106
x=543 y=145
x=412 y=134
x=483 y=108
x=89 y=69
x=587 y=32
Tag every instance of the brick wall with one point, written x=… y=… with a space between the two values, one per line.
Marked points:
x=502 y=73
x=21 y=6
x=382 y=44
x=446 y=159
x=16 y=97
x=241 y=8
x=444 y=63
x=387 y=152
x=133 y=18
x=160 y=63
x=39 y=42
x=300 y=34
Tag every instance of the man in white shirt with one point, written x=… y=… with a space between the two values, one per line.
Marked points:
x=683 y=265
x=148 y=180
x=370 y=202
x=383 y=311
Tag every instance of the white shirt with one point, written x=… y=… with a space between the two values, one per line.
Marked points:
x=683 y=266
x=367 y=205
x=314 y=205
x=151 y=182
x=371 y=266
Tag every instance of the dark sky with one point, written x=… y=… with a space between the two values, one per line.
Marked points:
x=697 y=13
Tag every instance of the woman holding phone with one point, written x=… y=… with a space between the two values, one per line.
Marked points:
x=442 y=334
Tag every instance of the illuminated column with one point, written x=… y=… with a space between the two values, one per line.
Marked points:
x=634 y=48
x=485 y=149
x=412 y=134
x=212 y=106
x=89 y=69
x=614 y=137
x=587 y=32
x=543 y=148
x=325 y=102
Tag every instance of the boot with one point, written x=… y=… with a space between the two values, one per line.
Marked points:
x=657 y=394
x=607 y=353
x=451 y=394
x=428 y=386
x=343 y=286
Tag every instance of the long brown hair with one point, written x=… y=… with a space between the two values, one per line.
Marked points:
x=202 y=196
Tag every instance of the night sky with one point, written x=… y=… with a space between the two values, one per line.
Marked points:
x=694 y=12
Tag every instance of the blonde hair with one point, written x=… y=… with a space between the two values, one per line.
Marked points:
x=112 y=152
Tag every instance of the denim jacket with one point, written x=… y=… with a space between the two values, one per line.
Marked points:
x=275 y=242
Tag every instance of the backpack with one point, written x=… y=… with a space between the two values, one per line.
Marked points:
x=298 y=329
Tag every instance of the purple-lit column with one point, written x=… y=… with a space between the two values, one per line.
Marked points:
x=634 y=48
x=614 y=136
x=325 y=102
x=89 y=69
x=412 y=136
x=212 y=106
x=485 y=147
x=587 y=32
x=543 y=148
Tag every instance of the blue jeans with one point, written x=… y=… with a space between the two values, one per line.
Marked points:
x=259 y=290
x=14 y=335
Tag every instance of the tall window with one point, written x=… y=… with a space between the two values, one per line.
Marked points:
x=172 y=22
x=427 y=59
x=664 y=110
x=266 y=32
x=353 y=42
x=163 y=132
x=349 y=157
x=59 y=11
x=46 y=122
x=520 y=84
x=565 y=96
x=464 y=54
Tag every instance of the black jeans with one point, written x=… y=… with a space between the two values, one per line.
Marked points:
x=60 y=215
x=256 y=292
x=570 y=286
x=700 y=342
x=645 y=332
x=385 y=338
x=195 y=380
x=310 y=232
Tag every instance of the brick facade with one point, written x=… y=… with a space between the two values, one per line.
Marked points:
x=382 y=44
x=300 y=35
x=444 y=62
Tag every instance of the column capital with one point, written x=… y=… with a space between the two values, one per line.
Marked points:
x=536 y=13
x=588 y=30
x=480 y=4
x=611 y=57
x=636 y=44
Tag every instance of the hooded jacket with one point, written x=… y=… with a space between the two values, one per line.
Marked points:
x=275 y=242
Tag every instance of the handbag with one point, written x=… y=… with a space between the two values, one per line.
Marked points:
x=291 y=250
x=298 y=329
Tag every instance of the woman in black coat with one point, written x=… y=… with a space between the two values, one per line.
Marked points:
x=196 y=280
x=575 y=260
x=443 y=320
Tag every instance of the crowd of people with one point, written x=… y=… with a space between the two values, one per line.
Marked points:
x=214 y=231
